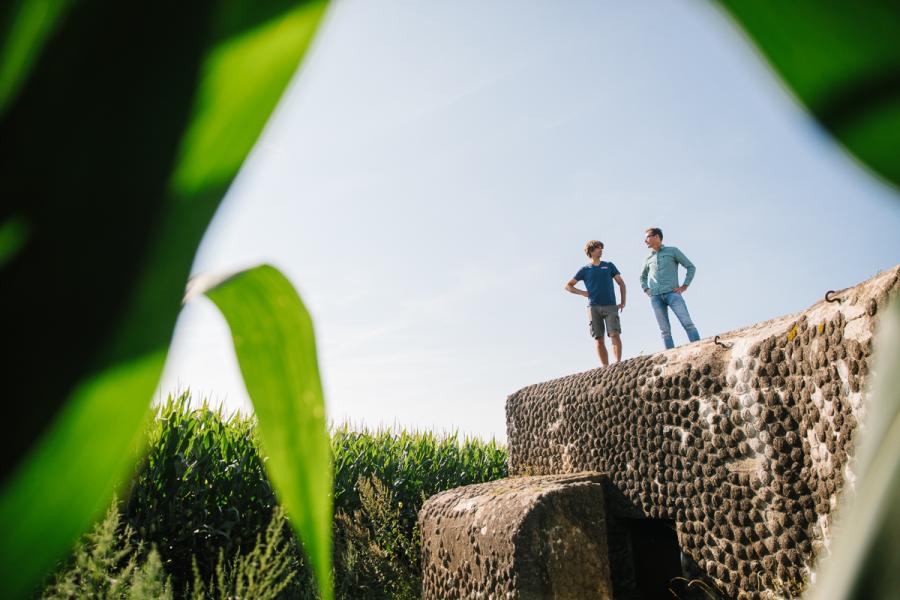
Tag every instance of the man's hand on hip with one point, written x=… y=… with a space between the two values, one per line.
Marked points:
x=621 y=307
x=680 y=289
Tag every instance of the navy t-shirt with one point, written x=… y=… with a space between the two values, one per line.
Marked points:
x=599 y=283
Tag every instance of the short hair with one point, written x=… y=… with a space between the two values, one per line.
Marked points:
x=591 y=246
x=655 y=231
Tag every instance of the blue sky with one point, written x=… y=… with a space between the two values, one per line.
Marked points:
x=432 y=174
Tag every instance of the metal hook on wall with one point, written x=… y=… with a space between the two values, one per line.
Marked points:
x=829 y=299
x=723 y=344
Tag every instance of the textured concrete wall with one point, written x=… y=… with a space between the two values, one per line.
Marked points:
x=746 y=448
x=527 y=538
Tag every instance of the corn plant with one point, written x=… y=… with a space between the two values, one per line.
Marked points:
x=122 y=127
x=201 y=489
x=202 y=499
x=414 y=465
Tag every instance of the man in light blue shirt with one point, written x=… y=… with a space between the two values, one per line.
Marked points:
x=659 y=279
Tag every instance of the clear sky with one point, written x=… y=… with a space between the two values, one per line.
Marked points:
x=431 y=176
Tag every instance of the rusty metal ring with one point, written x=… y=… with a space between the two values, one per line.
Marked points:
x=829 y=293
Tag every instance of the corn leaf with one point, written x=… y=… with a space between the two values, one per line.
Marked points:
x=25 y=28
x=276 y=349
x=74 y=470
x=842 y=61
x=120 y=135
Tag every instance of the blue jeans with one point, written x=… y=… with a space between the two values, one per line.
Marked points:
x=661 y=305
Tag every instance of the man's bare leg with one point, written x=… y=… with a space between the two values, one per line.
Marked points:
x=617 y=346
x=601 y=352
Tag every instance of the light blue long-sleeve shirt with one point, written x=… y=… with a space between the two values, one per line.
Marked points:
x=660 y=272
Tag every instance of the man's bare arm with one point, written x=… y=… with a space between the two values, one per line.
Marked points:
x=621 y=282
x=570 y=287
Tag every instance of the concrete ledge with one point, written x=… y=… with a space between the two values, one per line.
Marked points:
x=519 y=538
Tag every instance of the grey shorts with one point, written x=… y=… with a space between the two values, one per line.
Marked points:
x=606 y=318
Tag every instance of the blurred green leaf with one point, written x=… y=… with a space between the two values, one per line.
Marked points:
x=13 y=235
x=276 y=349
x=54 y=495
x=243 y=80
x=128 y=128
x=25 y=27
x=842 y=61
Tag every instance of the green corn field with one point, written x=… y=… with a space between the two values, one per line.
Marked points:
x=200 y=494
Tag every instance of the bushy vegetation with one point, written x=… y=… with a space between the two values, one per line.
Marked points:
x=108 y=564
x=201 y=519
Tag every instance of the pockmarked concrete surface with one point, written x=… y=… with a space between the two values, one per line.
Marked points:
x=525 y=537
x=745 y=445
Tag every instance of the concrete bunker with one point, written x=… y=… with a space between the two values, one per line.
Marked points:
x=744 y=444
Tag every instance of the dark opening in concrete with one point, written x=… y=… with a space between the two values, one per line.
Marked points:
x=656 y=556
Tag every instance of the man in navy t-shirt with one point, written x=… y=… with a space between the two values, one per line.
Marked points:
x=603 y=311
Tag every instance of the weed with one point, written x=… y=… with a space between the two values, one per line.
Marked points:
x=108 y=564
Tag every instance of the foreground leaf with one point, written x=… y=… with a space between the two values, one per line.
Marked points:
x=276 y=349
x=120 y=136
x=54 y=495
x=842 y=61
x=26 y=26
x=114 y=156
